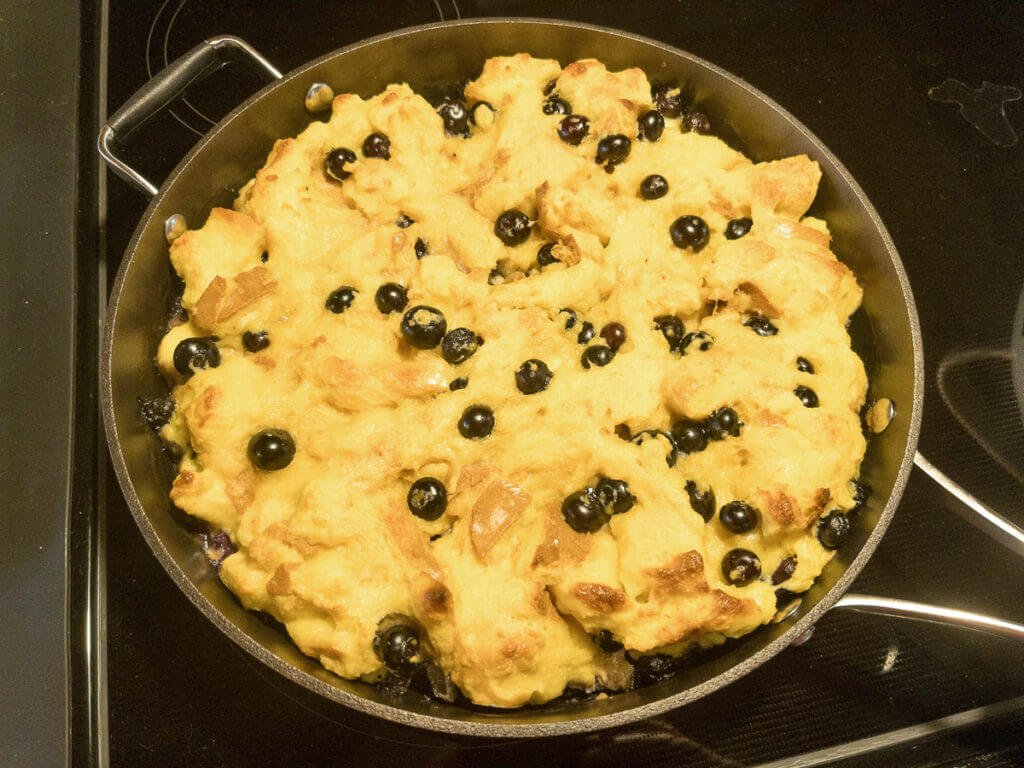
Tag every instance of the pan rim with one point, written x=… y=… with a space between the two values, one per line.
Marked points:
x=477 y=728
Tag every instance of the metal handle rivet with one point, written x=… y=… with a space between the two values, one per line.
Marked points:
x=174 y=227
x=319 y=97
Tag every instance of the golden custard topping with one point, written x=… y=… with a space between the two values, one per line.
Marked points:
x=525 y=392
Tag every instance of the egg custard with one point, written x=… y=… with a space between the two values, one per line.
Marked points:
x=536 y=390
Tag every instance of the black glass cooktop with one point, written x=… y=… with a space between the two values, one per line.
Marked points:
x=918 y=102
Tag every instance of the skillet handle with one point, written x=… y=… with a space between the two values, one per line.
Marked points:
x=905 y=609
x=167 y=85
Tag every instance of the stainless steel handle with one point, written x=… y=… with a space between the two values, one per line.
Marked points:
x=984 y=517
x=905 y=609
x=169 y=83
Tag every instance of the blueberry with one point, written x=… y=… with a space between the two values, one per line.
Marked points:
x=668 y=104
x=195 y=354
x=606 y=642
x=613 y=149
x=533 y=376
x=420 y=249
x=614 y=495
x=598 y=355
x=573 y=129
x=423 y=327
x=570 y=317
x=218 y=546
x=697 y=122
x=689 y=232
x=495 y=277
x=861 y=494
x=391 y=297
x=336 y=162
x=804 y=365
x=807 y=396
x=653 y=187
x=586 y=333
x=254 y=342
x=398 y=646
x=156 y=411
x=740 y=567
x=553 y=105
x=833 y=530
x=403 y=221
x=690 y=436
x=672 y=329
x=737 y=228
x=460 y=383
x=650 y=125
x=341 y=299
x=583 y=512
x=512 y=227
x=783 y=597
x=458 y=345
x=703 y=502
x=477 y=421
x=723 y=422
x=265 y=257
x=702 y=339
x=271 y=449
x=546 y=256
x=614 y=335
x=377 y=145
x=784 y=570
x=653 y=668
x=653 y=434
x=427 y=498
x=455 y=118
x=738 y=517
x=760 y=325
x=549 y=87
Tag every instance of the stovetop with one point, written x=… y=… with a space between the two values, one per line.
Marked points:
x=946 y=181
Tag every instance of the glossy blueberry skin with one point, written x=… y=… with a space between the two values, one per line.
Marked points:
x=477 y=421
x=614 y=335
x=833 y=530
x=650 y=125
x=672 y=329
x=271 y=449
x=546 y=256
x=703 y=502
x=571 y=318
x=784 y=570
x=403 y=221
x=421 y=248
x=583 y=513
x=427 y=498
x=807 y=396
x=554 y=105
x=598 y=355
x=341 y=299
x=337 y=161
x=670 y=105
x=460 y=383
x=573 y=129
x=740 y=567
x=804 y=365
x=533 y=376
x=861 y=493
x=653 y=668
x=737 y=228
x=614 y=495
x=606 y=642
x=722 y=423
x=702 y=339
x=690 y=436
x=512 y=227
x=761 y=325
x=194 y=354
x=613 y=149
x=690 y=232
x=255 y=342
x=423 y=327
x=397 y=647
x=377 y=145
x=391 y=297
x=455 y=117
x=653 y=187
x=587 y=332
x=738 y=517
x=459 y=345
